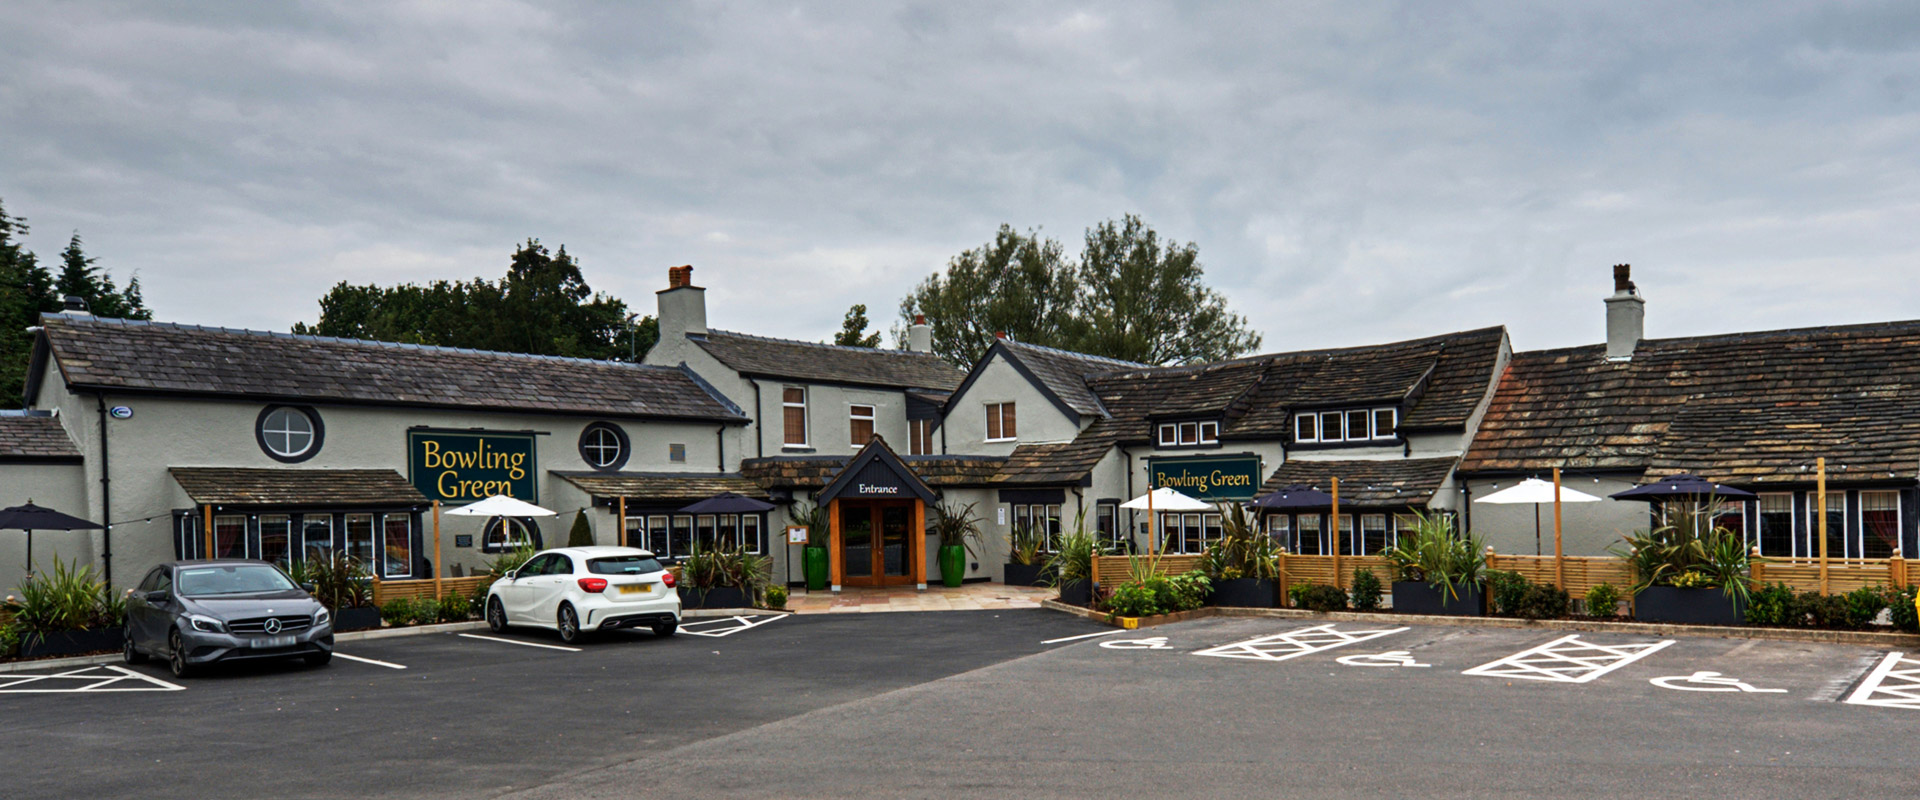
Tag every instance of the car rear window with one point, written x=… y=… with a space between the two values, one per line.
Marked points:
x=623 y=565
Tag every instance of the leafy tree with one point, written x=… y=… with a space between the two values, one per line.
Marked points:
x=542 y=306
x=1018 y=284
x=1143 y=299
x=28 y=289
x=853 y=330
x=1130 y=296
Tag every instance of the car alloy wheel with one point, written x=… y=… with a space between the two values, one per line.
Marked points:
x=128 y=652
x=496 y=616
x=569 y=625
x=177 y=656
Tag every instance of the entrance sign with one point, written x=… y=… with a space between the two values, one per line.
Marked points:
x=460 y=467
x=1209 y=478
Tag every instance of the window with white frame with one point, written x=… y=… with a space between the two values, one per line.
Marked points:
x=1879 y=524
x=1836 y=524
x=1189 y=434
x=1351 y=426
x=1345 y=534
x=920 y=437
x=1308 y=540
x=396 y=545
x=1280 y=527
x=793 y=408
x=860 y=424
x=288 y=434
x=1775 y=535
x=1001 y=425
x=1374 y=537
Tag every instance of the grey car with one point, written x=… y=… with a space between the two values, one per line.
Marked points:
x=195 y=613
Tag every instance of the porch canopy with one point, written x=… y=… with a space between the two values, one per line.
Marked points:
x=296 y=488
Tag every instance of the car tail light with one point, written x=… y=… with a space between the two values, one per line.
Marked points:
x=595 y=585
x=667 y=579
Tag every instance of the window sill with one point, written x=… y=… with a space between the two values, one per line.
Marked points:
x=997 y=441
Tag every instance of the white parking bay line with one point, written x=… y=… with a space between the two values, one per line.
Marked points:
x=1081 y=636
x=338 y=654
x=1893 y=683
x=1568 y=659
x=92 y=679
x=727 y=626
x=515 y=641
x=1295 y=643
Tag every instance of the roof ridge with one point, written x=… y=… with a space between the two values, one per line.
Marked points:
x=1440 y=339
x=822 y=345
x=1079 y=355
x=56 y=317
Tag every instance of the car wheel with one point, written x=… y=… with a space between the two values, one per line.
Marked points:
x=129 y=653
x=496 y=615
x=569 y=625
x=177 y=656
x=665 y=628
x=319 y=659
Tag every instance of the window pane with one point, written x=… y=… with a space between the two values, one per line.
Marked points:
x=1776 y=525
x=276 y=537
x=793 y=395
x=1346 y=534
x=1306 y=428
x=862 y=431
x=657 y=535
x=360 y=540
x=1209 y=432
x=1384 y=424
x=1189 y=433
x=1357 y=425
x=399 y=546
x=230 y=537
x=1307 y=540
x=316 y=537
x=633 y=532
x=681 y=540
x=796 y=425
x=1330 y=428
x=1880 y=520
x=1373 y=534
x=1167 y=434
x=1006 y=421
x=704 y=532
x=750 y=534
x=993 y=421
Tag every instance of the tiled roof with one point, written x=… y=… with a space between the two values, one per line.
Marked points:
x=296 y=487
x=1745 y=408
x=35 y=438
x=660 y=485
x=813 y=472
x=809 y=361
x=1065 y=373
x=1052 y=464
x=1373 y=483
x=159 y=357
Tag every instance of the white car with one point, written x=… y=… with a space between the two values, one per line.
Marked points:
x=578 y=589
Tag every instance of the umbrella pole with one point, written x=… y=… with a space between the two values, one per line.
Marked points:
x=29 y=552
x=1536 y=530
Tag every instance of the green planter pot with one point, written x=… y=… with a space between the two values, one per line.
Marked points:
x=953 y=564
x=815 y=562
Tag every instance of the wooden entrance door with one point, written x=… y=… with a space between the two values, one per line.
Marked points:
x=877 y=545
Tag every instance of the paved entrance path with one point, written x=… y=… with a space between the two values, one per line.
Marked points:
x=967 y=597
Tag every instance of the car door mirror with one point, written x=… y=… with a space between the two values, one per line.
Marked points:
x=306 y=587
x=156 y=597
x=511 y=574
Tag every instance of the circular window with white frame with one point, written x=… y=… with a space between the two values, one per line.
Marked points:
x=604 y=446
x=289 y=433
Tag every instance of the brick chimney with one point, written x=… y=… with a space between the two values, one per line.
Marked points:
x=683 y=306
x=1626 y=315
x=920 y=335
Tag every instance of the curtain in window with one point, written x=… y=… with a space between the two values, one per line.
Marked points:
x=1880 y=513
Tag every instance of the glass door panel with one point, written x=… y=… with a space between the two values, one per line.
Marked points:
x=894 y=524
x=856 y=541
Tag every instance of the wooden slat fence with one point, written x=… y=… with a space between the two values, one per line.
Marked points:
x=1583 y=572
x=423 y=589
x=1843 y=574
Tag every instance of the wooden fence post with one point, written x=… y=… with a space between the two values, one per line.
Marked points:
x=437 y=566
x=1820 y=478
x=1280 y=578
x=1339 y=582
x=1757 y=569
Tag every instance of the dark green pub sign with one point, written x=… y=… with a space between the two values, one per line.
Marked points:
x=460 y=467
x=1209 y=478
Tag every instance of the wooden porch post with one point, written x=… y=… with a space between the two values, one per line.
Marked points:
x=917 y=540
x=1339 y=581
x=438 y=568
x=833 y=542
x=1820 y=480
x=206 y=511
x=620 y=526
x=1559 y=561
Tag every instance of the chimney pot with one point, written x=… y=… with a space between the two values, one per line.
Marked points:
x=1626 y=316
x=919 y=319
x=679 y=276
x=1622 y=278
x=74 y=304
x=999 y=334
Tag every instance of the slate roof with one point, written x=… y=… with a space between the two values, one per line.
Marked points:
x=1052 y=464
x=1747 y=408
x=335 y=488
x=814 y=472
x=826 y=363
x=1368 y=483
x=1065 y=373
x=35 y=438
x=661 y=485
x=114 y=354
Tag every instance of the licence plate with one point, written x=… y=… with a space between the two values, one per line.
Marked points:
x=635 y=588
x=269 y=642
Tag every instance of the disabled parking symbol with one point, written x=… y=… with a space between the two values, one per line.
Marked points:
x=1154 y=643
x=1709 y=682
x=1391 y=658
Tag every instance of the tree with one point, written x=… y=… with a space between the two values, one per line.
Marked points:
x=80 y=278
x=28 y=290
x=1145 y=300
x=581 y=535
x=1018 y=284
x=1130 y=296
x=853 y=330
x=543 y=306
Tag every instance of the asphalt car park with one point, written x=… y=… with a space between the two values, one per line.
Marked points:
x=996 y=703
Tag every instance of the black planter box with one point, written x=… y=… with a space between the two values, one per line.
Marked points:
x=71 y=643
x=1077 y=593
x=1417 y=597
x=1688 y=606
x=1242 y=593
x=356 y=619
x=1023 y=574
x=716 y=597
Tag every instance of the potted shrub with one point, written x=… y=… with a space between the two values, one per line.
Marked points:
x=958 y=531
x=342 y=585
x=1437 y=570
x=722 y=577
x=1026 y=557
x=1242 y=565
x=1071 y=569
x=815 y=561
x=1690 y=571
x=66 y=612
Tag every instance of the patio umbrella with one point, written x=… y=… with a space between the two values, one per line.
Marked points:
x=1163 y=499
x=1683 y=485
x=30 y=518
x=729 y=503
x=1536 y=491
x=500 y=505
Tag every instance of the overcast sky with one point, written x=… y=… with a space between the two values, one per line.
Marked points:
x=1351 y=172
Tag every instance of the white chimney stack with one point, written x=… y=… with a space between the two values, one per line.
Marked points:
x=1626 y=316
x=683 y=306
x=920 y=335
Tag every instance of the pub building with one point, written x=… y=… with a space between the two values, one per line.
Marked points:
x=195 y=441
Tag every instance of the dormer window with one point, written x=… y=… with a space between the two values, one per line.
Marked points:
x=1188 y=434
x=1346 y=427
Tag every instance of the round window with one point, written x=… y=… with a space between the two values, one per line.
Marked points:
x=289 y=433
x=603 y=445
